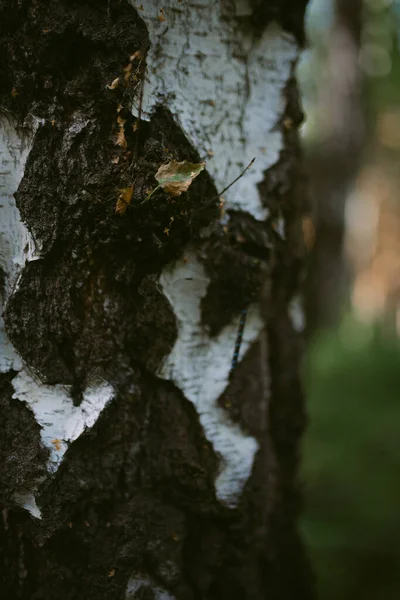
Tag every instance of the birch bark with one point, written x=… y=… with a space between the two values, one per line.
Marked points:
x=133 y=463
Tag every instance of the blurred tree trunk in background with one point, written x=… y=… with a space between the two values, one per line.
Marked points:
x=333 y=163
x=132 y=464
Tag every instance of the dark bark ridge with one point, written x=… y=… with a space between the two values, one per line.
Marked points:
x=135 y=493
x=289 y=13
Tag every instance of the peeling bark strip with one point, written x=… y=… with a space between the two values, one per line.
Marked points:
x=153 y=471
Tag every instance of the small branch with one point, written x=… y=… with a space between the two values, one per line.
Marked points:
x=235 y=180
x=227 y=187
x=142 y=72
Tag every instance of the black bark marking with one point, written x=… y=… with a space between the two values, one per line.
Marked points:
x=289 y=13
x=22 y=457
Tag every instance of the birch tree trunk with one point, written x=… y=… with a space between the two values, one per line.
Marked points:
x=133 y=464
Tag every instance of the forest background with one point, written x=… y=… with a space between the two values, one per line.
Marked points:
x=350 y=78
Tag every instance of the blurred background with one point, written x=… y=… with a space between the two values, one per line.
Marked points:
x=350 y=82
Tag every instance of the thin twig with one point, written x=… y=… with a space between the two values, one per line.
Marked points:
x=235 y=180
x=225 y=189
x=142 y=72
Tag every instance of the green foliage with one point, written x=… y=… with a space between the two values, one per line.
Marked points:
x=351 y=463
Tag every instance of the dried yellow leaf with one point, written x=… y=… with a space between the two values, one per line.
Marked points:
x=57 y=444
x=113 y=84
x=138 y=55
x=121 y=140
x=128 y=72
x=124 y=199
x=176 y=177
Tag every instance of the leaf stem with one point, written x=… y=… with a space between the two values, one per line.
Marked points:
x=150 y=195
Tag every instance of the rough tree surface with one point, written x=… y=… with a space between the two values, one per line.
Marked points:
x=132 y=464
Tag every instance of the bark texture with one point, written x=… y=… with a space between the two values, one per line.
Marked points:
x=117 y=466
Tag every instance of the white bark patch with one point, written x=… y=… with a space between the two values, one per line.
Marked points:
x=138 y=582
x=200 y=365
x=27 y=500
x=16 y=243
x=223 y=85
x=61 y=422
